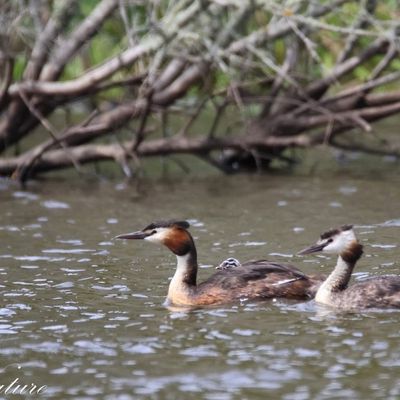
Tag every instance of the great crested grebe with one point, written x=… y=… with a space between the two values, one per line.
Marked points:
x=260 y=279
x=376 y=292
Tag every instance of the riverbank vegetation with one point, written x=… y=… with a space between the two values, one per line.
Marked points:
x=120 y=80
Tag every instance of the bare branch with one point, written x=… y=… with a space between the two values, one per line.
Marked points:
x=84 y=32
x=279 y=30
x=193 y=117
x=50 y=129
x=47 y=37
x=361 y=23
x=391 y=54
x=317 y=89
x=175 y=145
x=104 y=71
x=293 y=125
x=360 y=147
x=6 y=80
x=362 y=90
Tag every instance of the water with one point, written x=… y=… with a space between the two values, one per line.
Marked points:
x=83 y=315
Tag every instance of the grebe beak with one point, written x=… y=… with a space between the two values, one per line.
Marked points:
x=312 y=249
x=133 y=235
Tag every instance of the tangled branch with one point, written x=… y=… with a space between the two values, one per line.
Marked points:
x=175 y=62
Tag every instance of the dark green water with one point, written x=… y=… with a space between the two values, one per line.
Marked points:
x=83 y=314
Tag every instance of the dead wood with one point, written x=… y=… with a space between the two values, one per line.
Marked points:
x=185 y=60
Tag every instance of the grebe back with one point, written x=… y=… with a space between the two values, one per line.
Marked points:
x=376 y=292
x=260 y=279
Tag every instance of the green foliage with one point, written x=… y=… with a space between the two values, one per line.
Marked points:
x=222 y=80
x=87 y=6
x=73 y=69
x=362 y=73
x=280 y=50
x=19 y=67
x=101 y=48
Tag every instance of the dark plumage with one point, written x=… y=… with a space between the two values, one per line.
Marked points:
x=376 y=292
x=335 y=231
x=261 y=279
x=167 y=224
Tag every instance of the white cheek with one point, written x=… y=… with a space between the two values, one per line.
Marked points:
x=152 y=239
x=340 y=242
x=157 y=237
x=333 y=248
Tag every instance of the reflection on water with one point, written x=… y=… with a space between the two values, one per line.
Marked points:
x=83 y=314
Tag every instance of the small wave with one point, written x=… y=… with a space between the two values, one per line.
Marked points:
x=53 y=204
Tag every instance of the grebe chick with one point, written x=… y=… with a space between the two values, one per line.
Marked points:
x=376 y=292
x=260 y=279
x=229 y=263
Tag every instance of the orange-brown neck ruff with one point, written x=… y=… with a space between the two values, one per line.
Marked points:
x=181 y=243
x=353 y=253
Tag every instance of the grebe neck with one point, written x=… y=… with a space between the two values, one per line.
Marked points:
x=339 y=278
x=183 y=283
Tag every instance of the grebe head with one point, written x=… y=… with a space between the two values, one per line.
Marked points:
x=172 y=233
x=334 y=241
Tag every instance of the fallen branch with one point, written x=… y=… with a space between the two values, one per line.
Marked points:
x=56 y=159
x=290 y=126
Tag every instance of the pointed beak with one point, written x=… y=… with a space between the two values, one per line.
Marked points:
x=312 y=249
x=133 y=235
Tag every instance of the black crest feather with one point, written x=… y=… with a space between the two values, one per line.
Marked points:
x=168 y=224
x=333 y=232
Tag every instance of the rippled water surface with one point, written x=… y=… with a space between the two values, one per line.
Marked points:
x=83 y=314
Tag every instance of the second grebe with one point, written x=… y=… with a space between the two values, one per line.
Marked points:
x=376 y=292
x=260 y=279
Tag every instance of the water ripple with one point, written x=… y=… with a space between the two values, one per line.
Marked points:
x=53 y=204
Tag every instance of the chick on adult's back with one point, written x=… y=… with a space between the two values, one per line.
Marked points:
x=259 y=279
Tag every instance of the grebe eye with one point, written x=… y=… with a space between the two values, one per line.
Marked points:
x=330 y=240
x=153 y=232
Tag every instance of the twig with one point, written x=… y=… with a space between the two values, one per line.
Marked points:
x=125 y=20
x=79 y=36
x=390 y=55
x=366 y=149
x=288 y=64
x=309 y=44
x=47 y=38
x=219 y=110
x=6 y=80
x=143 y=121
x=361 y=22
x=47 y=125
x=362 y=89
x=279 y=30
x=185 y=128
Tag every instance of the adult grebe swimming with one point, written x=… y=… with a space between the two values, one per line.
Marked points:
x=376 y=292
x=260 y=279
